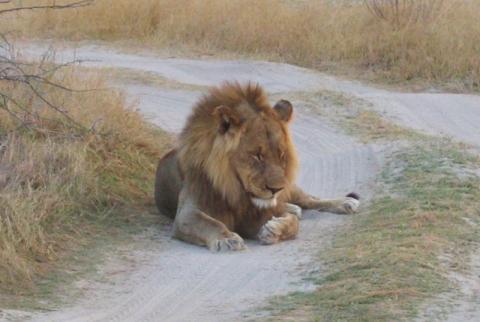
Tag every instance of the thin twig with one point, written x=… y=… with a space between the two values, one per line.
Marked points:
x=71 y=5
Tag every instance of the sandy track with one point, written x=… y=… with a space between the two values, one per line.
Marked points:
x=224 y=287
x=455 y=115
x=219 y=287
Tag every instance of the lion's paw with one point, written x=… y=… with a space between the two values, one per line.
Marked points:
x=294 y=209
x=270 y=232
x=350 y=205
x=231 y=243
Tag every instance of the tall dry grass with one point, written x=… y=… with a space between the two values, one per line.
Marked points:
x=401 y=13
x=398 y=40
x=56 y=181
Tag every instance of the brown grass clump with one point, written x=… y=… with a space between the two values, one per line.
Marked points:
x=57 y=179
x=428 y=40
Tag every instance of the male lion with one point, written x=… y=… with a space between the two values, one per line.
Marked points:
x=232 y=173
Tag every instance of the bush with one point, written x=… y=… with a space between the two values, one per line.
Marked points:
x=71 y=154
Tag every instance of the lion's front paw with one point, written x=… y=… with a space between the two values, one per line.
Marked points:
x=349 y=205
x=270 y=232
x=294 y=209
x=231 y=243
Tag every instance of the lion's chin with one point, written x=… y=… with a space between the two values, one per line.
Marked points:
x=264 y=203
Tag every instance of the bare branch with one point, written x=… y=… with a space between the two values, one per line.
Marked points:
x=56 y=108
x=70 y=5
x=33 y=78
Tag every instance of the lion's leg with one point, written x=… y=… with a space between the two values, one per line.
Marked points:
x=195 y=226
x=346 y=205
x=279 y=228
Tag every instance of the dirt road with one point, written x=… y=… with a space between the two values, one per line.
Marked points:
x=174 y=281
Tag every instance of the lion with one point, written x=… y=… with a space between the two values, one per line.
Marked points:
x=231 y=175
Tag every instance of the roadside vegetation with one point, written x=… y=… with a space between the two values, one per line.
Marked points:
x=356 y=116
x=134 y=76
x=75 y=161
x=399 y=252
x=423 y=223
x=421 y=41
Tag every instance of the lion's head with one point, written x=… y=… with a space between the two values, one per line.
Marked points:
x=241 y=144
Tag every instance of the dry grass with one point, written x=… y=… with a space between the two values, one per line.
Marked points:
x=432 y=41
x=57 y=181
x=401 y=13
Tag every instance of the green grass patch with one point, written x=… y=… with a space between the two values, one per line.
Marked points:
x=354 y=115
x=389 y=259
x=369 y=126
x=147 y=78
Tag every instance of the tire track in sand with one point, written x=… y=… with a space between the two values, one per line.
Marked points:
x=175 y=281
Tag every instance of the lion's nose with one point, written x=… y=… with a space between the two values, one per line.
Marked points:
x=274 y=190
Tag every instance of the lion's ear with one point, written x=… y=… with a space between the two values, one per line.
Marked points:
x=227 y=118
x=284 y=110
